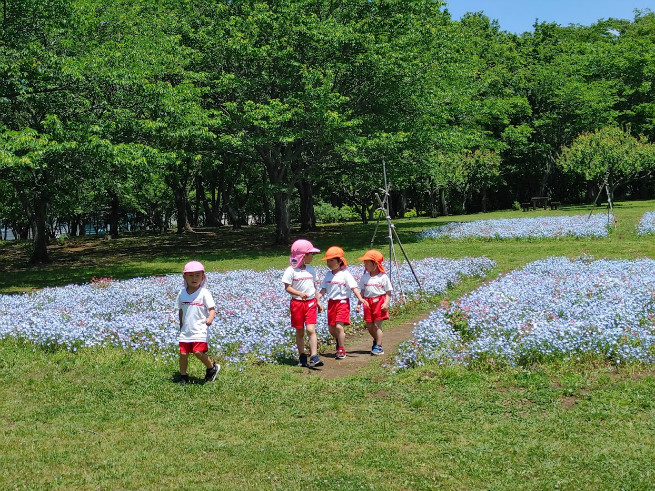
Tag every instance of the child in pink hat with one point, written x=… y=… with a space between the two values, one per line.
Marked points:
x=196 y=311
x=300 y=282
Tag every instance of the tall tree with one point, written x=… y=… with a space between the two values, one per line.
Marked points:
x=609 y=157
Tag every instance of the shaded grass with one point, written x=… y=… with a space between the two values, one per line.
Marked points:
x=79 y=259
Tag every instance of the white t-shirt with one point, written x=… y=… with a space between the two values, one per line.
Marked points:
x=338 y=286
x=374 y=286
x=303 y=280
x=195 y=310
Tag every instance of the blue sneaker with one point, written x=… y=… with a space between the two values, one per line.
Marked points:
x=377 y=350
x=302 y=360
x=315 y=361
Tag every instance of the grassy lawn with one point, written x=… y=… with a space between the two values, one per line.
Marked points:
x=107 y=418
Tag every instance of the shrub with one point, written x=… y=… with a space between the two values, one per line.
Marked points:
x=326 y=213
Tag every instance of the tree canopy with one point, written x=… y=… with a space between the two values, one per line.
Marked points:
x=204 y=113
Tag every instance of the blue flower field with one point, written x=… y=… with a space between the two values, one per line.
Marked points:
x=646 y=224
x=252 y=314
x=523 y=228
x=552 y=309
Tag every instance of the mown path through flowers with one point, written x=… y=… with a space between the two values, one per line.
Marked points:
x=358 y=347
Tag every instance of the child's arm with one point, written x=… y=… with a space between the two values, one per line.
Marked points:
x=319 y=295
x=181 y=318
x=210 y=317
x=387 y=300
x=358 y=295
x=292 y=291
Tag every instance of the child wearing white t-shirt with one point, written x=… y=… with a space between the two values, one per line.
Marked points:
x=376 y=290
x=337 y=286
x=196 y=309
x=300 y=282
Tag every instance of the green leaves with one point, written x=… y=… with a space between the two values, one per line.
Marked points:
x=608 y=155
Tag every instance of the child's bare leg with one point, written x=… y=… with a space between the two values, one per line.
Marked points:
x=378 y=326
x=372 y=330
x=334 y=333
x=202 y=356
x=300 y=340
x=375 y=330
x=340 y=334
x=184 y=363
x=313 y=339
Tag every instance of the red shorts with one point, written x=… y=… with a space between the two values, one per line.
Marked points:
x=373 y=309
x=303 y=312
x=193 y=347
x=338 y=311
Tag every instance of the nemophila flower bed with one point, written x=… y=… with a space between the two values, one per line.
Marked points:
x=523 y=228
x=646 y=224
x=252 y=311
x=553 y=309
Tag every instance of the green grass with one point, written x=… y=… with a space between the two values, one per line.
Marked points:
x=106 y=418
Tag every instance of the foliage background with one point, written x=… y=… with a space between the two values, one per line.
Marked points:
x=138 y=115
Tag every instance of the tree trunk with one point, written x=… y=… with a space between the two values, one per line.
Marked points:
x=36 y=207
x=114 y=216
x=371 y=211
x=484 y=200
x=40 y=242
x=543 y=183
x=307 y=216
x=181 y=206
x=233 y=214
x=364 y=213
x=277 y=162
x=434 y=209
x=444 y=202
x=401 y=203
x=209 y=205
x=282 y=217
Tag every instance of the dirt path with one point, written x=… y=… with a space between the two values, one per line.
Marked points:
x=358 y=348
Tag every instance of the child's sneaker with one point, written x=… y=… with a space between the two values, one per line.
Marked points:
x=302 y=360
x=184 y=379
x=341 y=353
x=210 y=373
x=315 y=361
x=377 y=350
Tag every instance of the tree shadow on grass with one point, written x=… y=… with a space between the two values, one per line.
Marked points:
x=78 y=259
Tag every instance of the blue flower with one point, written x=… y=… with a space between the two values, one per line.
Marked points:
x=550 y=309
x=252 y=310
x=646 y=224
x=523 y=228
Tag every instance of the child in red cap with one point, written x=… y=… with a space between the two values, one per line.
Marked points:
x=336 y=286
x=300 y=282
x=376 y=290
x=196 y=310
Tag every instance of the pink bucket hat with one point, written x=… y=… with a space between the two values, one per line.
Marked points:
x=193 y=267
x=298 y=250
